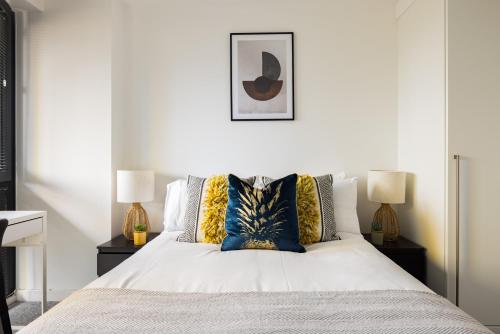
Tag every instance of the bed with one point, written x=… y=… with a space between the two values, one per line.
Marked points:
x=342 y=286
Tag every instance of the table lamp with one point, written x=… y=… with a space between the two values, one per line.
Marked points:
x=387 y=187
x=136 y=187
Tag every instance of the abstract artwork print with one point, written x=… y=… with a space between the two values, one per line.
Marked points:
x=262 y=76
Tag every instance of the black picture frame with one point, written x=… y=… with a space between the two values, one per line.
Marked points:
x=292 y=89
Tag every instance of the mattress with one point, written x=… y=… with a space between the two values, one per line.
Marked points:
x=350 y=264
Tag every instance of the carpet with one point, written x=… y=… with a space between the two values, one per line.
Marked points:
x=22 y=313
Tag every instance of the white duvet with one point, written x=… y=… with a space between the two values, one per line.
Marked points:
x=167 y=265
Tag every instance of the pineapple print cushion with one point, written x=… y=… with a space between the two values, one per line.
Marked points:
x=262 y=218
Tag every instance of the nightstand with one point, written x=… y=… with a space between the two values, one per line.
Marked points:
x=406 y=254
x=112 y=253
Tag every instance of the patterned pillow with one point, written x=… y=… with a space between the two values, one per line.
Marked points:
x=314 y=207
x=206 y=209
x=262 y=218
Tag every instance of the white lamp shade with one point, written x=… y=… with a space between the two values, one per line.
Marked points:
x=135 y=186
x=386 y=186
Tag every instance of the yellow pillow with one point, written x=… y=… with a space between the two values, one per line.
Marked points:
x=213 y=223
x=215 y=204
x=205 y=215
x=308 y=210
x=314 y=207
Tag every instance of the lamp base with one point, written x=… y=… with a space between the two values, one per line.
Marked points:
x=387 y=217
x=135 y=215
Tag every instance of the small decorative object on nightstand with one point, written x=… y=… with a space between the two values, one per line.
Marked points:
x=140 y=234
x=387 y=187
x=135 y=186
x=377 y=234
x=406 y=254
x=112 y=253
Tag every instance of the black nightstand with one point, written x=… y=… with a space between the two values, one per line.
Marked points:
x=407 y=254
x=112 y=253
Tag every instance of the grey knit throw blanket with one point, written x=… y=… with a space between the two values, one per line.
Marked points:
x=132 y=311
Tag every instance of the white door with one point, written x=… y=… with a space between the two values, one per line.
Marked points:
x=474 y=133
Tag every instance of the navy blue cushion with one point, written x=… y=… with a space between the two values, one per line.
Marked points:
x=262 y=218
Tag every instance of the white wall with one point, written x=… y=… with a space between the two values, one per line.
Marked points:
x=178 y=109
x=145 y=84
x=421 y=72
x=120 y=46
x=64 y=137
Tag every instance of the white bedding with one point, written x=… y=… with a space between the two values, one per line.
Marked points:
x=343 y=265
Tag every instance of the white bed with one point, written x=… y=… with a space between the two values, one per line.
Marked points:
x=342 y=286
x=351 y=264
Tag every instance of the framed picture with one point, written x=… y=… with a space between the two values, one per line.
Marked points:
x=262 y=76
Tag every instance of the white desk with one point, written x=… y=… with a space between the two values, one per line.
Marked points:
x=28 y=229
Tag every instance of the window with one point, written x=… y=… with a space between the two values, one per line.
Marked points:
x=7 y=132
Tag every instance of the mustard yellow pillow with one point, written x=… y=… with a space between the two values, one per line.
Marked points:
x=308 y=210
x=206 y=209
x=314 y=207
x=215 y=202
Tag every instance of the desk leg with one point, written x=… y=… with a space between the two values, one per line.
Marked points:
x=44 y=278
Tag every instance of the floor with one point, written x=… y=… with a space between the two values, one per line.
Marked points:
x=22 y=313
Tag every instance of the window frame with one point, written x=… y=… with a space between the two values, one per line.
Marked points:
x=9 y=179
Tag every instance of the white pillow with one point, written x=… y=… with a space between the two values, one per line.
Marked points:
x=339 y=176
x=345 y=199
x=175 y=206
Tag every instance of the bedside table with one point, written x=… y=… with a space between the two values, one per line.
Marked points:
x=112 y=253
x=406 y=254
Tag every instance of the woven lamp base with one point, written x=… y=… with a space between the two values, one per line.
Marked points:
x=387 y=217
x=135 y=215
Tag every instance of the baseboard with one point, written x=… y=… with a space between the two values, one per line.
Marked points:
x=11 y=299
x=34 y=295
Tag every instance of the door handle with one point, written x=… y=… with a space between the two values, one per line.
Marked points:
x=457 y=236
